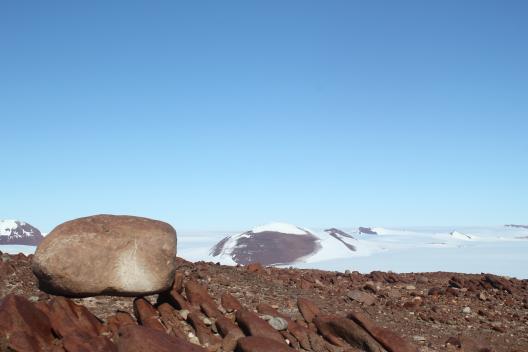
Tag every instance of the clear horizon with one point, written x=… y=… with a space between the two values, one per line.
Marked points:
x=235 y=114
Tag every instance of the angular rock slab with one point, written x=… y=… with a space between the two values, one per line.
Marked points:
x=107 y=255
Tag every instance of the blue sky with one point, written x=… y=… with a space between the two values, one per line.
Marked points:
x=229 y=114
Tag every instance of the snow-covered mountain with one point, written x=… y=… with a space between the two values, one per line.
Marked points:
x=19 y=232
x=275 y=243
x=279 y=243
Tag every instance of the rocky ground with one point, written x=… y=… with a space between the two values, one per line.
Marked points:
x=215 y=307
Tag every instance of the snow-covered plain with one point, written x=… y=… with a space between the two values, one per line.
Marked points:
x=499 y=250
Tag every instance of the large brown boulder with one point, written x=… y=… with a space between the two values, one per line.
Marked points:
x=107 y=254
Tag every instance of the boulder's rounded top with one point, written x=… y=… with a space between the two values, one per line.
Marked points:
x=106 y=223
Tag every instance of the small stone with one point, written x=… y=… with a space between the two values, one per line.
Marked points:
x=483 y=296
x=362 y=297
x=207 y=321
x=410 y=287
x=422 y=280
x=419 y=338
x=193 y=339
x=184 y=313
x=466 y=310
x=278 y=323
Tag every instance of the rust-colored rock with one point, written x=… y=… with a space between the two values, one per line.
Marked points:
x=23 y=326
x=252 y=325
x=366 y=298
x=261 y=344
x=147 y=315
x=210 y=309
x=230 y=303
x=142 y=339
x=20 y=341
x=498 y=282
x=79 y=342
x=197 y=294
x=178 y=282
x=118 y=320
x=204 y=334
x=254 y=267
x=67 y=318
x=344 y=332
x=106 y=254
x=171 y=320
x=175 y=299
x=308 y=309
x=387 y=338
x=229 y=331
x=301 y=334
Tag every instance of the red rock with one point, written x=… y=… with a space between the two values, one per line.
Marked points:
x=175 y=299
x=305 y=284
x=254 y=267
x=301 y=333
x=498 y=282
x=387 y=338
x=266 y=309
x=67 y=317
x=118 y=320
x=21 y=341
x=261 y=344
x=171 y=320
x=78 y=342
x=308 y=309
x=293 y=341
x=435 y=291
x=383 y=277
x=454 y=341
x=21 y=324
x=344 y=332
x=5 y=270
x=142 y=339
x=210 y=309
x=229 y=331
x=147 y=315
x=252 y=325
x=230 y=303
x=178 y=282
x=471 y=345
x=367 y=299
x=204 y=334
x=197 y=294
x=225 y=326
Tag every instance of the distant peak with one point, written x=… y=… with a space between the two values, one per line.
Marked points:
x=280 y=227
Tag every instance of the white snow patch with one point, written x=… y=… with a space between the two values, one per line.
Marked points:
x=282 y=228
x=7 y=226
x=460 y=236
